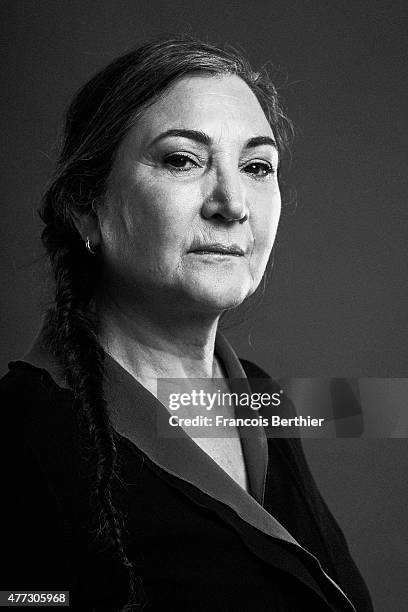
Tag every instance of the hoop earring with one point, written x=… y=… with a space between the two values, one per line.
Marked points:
x=88 y=246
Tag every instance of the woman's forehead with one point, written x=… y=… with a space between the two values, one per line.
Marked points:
x=207 y=103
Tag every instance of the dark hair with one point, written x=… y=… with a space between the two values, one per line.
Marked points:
x=100 y=115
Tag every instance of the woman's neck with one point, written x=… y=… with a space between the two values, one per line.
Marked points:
x=151 y=347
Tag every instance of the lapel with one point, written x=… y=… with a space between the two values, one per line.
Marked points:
x=135 y=413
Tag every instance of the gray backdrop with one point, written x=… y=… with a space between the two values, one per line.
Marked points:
x=336 y=303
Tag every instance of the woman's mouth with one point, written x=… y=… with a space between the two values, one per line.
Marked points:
x=218 y=249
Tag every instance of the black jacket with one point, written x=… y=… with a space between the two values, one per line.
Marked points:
x=197 y=539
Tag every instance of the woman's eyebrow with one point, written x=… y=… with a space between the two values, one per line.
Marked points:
x=203 y=138
x=195 y=135
x=258 y=141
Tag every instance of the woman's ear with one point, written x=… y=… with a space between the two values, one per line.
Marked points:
x=88 y=227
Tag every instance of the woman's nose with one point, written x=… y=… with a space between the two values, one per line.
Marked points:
x=226 y=199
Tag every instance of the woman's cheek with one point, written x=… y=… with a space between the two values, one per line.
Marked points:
x=264 y=241
x=264 y=234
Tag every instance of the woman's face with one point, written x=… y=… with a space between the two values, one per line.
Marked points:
x=193 y=200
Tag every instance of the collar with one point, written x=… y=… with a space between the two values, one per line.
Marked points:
x=135 y=413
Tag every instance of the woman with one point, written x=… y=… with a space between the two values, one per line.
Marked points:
x=161 y=217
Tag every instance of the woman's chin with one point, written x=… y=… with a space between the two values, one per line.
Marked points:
x=218 y=298
x=220 y=286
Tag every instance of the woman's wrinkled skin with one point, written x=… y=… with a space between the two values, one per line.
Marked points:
x=198 y=168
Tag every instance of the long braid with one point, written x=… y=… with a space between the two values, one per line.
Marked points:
x=72 y=333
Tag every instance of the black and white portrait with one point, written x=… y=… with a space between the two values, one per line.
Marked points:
x=204 y=308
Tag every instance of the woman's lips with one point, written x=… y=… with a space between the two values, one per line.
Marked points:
x=218 y=249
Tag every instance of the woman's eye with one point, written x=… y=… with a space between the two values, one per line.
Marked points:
x=180 y=163
x=259 y=169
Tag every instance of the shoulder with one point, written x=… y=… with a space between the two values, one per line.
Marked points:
x=41 y=455
x=261 y=382
x=38 y=418
x=29 y=395
x=23 y=378
x=252 y=370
